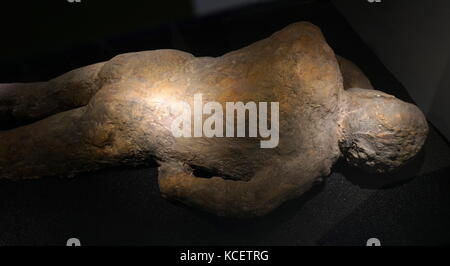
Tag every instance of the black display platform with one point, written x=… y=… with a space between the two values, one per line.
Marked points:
x=124 y=207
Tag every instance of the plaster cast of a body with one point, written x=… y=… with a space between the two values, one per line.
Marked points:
x=112 y=113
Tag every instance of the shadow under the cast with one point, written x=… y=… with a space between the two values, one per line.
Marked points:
x=368 y=180
x=254 y=225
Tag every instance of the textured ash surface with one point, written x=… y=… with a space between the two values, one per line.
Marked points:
x=124 y=206
x=127 y=121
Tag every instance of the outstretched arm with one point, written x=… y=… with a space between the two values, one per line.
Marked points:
x=352 y=75
x=268 y=188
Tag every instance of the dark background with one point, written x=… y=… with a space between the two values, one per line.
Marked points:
x=41 y=40
x=407 y=36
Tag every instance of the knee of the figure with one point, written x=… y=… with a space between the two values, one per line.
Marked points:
x=101 y=126
x=117 y=119
x=380 y=132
